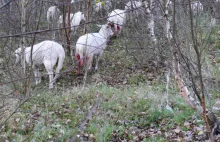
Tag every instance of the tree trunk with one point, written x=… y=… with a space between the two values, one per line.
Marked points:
x=68 y=24
x=23 y=30
x=87 y=16
x=150 y=21
x=211 y=122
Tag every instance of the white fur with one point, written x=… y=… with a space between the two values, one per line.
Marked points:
x=60 y=21
x=52 y=14
x=92 y=44
x=99 y=6
x=75 y=20
x=47 y=53
x=118 y=18
x=196 y=6
x=133 y=5
x=134 y=9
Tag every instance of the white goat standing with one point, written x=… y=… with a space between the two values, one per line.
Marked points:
x=60 y=21
x=74 y=20
x=52 y=18
x=92 y=44
x=77 y=18
x=106 y=5
x=134 y=9
x=52 y=15
x=47 y=53
x=133 y=5
x=117 y=19
x=196 y=6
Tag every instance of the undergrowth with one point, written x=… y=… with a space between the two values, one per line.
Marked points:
x=50 y=117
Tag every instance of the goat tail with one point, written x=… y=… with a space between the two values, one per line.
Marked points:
x=60 y=63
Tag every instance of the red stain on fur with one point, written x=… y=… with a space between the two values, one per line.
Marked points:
x=77 y=57
x=118 y=28
x=111 y=24
x=80 y=62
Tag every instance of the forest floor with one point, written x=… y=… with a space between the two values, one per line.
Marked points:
x=127 y=102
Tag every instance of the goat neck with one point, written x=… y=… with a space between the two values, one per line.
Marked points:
x=104 y=32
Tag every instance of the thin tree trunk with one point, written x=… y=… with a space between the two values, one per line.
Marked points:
x=23 y=29
x=23 y=44
x=166 y=5
x=175 y=60
x=87 y=16
x=150 y=21
x=199 y=66
x=68 y=24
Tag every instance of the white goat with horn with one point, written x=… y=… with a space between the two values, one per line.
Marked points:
x=47 y=53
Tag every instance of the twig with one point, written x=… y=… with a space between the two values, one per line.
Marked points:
x=88 y=117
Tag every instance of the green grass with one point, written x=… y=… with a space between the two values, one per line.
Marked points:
x=155 y=139
x=60 y=115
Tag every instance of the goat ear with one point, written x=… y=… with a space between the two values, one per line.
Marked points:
x=99 y=25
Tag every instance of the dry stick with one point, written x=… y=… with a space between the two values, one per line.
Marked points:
x=88 y=117
x=84 y=32
x=34 y=38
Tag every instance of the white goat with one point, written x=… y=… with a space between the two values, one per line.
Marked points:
x=134 y=9
x=133 y=5
x=74 y=20
x=196 y=6
x=47 y=53
x=117 y=19
x=52 y=15
x=92 y=44
x=77 y=18
x=106 y=5
x=60 y=21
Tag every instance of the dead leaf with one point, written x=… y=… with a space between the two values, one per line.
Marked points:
x=177 y=130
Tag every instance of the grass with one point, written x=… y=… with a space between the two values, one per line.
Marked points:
x=47 y=116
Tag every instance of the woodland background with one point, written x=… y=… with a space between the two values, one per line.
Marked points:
x=157 y=81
